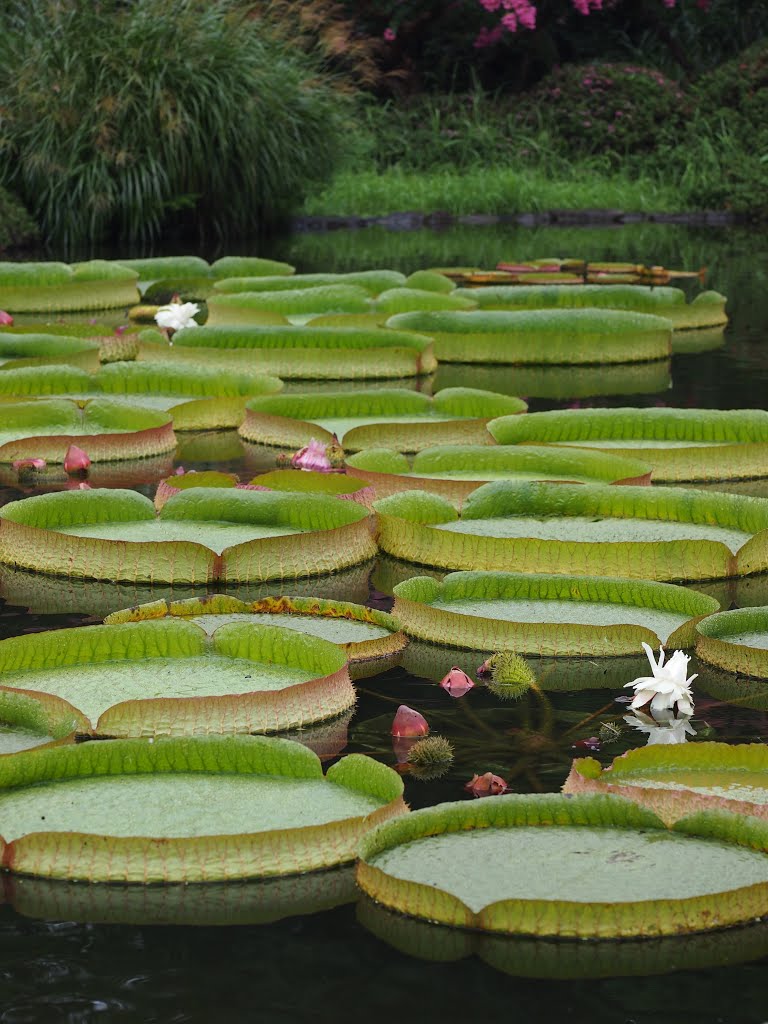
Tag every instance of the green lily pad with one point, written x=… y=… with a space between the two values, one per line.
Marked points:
x=548 y=615
x=565 y=959
x=561 y=382
x=199 y=536
x=400 y=419
x=50 y=346
x=151 y=385
x=245 y=307
x=30 y=720
x=736 y=640
x=659 y=533
x=681 y=444
x=54 y=287
x=296 y=352
x=249 y=266
x=454 y=471
x=46 y=594
x=373 y=281
x=262 y=901
x=370 y=639
x=430 y=281
x=108 y=430
x=548 y=336
x=706 y=310
x=594 y=867
x=187 y=810
x=409 y=300
x=678 y=780
x=169 y=677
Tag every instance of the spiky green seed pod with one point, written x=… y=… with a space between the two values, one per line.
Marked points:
x=431 y=757
x=511 y=676
x=609 y=732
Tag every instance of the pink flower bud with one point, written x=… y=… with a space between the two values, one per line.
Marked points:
x=590 y=743
x=120 y=331
x=408 y=722
x=486 y=785
x=76 y=460
x=22 y=464
x=312 y=456
x=6 y=320
x=456 y=683
x=484 y=670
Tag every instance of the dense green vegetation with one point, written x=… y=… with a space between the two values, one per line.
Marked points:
x=121 y=118
x=109 y=125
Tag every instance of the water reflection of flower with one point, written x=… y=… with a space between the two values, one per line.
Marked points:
x=663 y=730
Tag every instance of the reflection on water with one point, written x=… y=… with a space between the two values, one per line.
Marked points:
x=312 y=968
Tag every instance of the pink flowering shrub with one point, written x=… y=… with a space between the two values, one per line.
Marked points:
x=596 y=108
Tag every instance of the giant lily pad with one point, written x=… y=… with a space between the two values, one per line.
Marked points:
x=409 y=300
x=199 y=536
x=53 y=287
x=400 y=419
x=247 y=307
x=661 y=533
x=542 y=336
x=109 y=430
x=680 y=444
x=328 y=353
x=28 y=720
x=198 y=398
x=42 y=344
x=347 y=488
x=370 y=640
x=549 y=615
x=588 y=867
x=706 y=310
x=559 y=958
x=456 y=470
x=46 y=594
x=168 y=677
x=184 y=810
x=736 y=641
x=678 y=780
x=373 y=281
x=562 y=382
x=260 y=901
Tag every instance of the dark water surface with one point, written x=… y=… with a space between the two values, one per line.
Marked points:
x=325 y=966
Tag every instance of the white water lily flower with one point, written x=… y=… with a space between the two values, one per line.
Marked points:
x=176 y=316
x=672 y=730
x=667 y=687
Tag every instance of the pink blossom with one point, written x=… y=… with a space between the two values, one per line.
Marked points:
x=486 y=785
x=408 y=722
x=390 y=35
x=76 y=460
x=456 y=682
x=313 y=456
x=22 y=464
x=6 y=320
x=488 y=37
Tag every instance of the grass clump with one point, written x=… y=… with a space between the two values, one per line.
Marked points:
x=123 y=118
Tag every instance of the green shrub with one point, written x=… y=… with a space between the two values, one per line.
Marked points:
x=618 y=109
x=16 y=225
x=116 y=117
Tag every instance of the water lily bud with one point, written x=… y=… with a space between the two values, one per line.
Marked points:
x=312 y=456
x=456 y=682
x=486 y=785
x=28 y=464
x=76 y=460
x=408 y=722
x=6 y=320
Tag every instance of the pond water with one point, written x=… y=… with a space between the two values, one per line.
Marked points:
x=58 y=963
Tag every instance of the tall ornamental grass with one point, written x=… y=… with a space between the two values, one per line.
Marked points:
x=122 y=117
